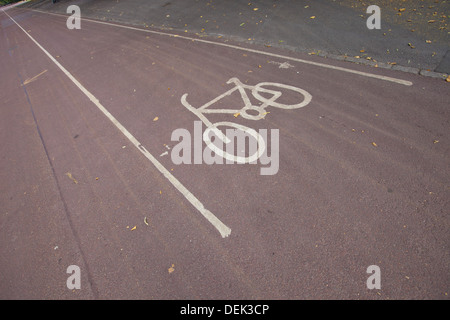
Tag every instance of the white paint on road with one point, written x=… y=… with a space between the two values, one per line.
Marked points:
x=219 y=225
x=279 y=56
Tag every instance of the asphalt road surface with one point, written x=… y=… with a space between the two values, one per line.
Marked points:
x=87 y=176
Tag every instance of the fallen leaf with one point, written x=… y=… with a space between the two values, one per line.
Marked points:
x=70 y=176
x=401 y=9
x=374 y=144
x=435 y=141
x=312 y=17
x=134 y=228
x=428 y=41
x=171 y=269
x=448 y=79
x=155 y=119
x=431 y=21
x=236 y=114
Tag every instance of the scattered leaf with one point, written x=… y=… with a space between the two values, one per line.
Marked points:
x=374 y=144
x=312 y=17
x=236 y=114
x=155 y=119
x=448 y=79
x=435 y=141
x=428 y=41
x=70 y=176
x=401 y=9
x=134 y=228
x=171 y=269
x=431 y=21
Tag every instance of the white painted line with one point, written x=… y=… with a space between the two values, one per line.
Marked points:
x=318 y=64
x=222 y=228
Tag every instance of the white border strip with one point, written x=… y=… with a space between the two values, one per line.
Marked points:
x=222 y=228
x=318 y=64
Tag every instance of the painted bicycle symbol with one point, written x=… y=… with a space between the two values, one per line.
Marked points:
x=249 y=111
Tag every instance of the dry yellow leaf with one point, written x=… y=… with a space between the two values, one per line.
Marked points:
x=155 y=119
x=236 y=114
x=374 y=144
x=134 y=228
x=171 y=269
x=312 y=17
x=448 y=79
x=401 y=9
x=70 y=176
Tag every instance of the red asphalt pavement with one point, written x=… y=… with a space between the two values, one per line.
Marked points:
x=363 y=173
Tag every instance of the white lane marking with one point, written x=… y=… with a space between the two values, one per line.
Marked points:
x=284 y=65
x=219 y=225
x=318 y=64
